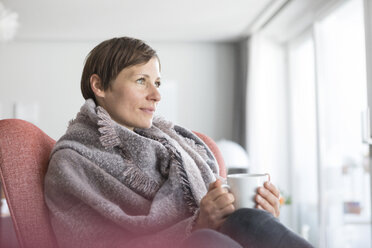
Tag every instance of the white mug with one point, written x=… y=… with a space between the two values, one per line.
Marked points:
x=244 y=188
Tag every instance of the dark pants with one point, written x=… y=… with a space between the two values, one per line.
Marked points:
x=247 y=228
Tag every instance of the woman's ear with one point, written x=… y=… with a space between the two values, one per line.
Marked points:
x=96 y=85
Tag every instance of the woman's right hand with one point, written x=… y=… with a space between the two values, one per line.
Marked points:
x=215 y=207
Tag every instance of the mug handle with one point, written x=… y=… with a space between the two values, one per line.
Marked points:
x=268 y=176
x=226 y=186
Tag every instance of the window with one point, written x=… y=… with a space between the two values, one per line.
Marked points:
x=345 y=196
x=327 y=75
x=325 y=90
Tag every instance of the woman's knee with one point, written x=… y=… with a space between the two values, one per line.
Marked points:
x=258 y=228
x=248 y=218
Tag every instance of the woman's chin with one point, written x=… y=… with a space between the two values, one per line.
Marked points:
x=145 y=125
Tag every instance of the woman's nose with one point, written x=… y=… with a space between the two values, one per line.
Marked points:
x=154 y=94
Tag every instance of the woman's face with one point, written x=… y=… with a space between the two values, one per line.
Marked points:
x=132 y=98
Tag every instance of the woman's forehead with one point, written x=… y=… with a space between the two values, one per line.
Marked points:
x=146 y=69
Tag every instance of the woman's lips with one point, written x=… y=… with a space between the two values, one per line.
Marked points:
x=148 y=110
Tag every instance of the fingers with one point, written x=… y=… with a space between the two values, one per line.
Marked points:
x=268 y=199
x=272 y=188
x=268 y=196
x=215 y=184
x=224 y=200
x=215 y=191
x=223 y=214
x=212 y=185
x=215 y=206
x=264 y=204
x=214 y=213
x=227 y=210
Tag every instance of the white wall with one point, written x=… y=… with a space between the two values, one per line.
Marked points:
x=205 y=73
x=48 y=73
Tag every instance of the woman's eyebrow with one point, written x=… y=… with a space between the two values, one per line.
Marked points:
x=145 y=75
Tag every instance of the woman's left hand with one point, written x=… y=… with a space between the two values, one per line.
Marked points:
x=267 y=198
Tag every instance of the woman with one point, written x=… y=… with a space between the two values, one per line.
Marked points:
x=122 y=177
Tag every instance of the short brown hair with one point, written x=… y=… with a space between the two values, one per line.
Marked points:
x=110 y=57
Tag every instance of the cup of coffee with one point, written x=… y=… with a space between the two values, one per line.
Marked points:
x=244 y=188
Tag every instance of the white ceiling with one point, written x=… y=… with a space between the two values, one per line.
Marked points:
x=161 y=20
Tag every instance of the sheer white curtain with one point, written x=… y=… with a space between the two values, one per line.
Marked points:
x=267 y=111
x=303 y=137
x=345 y=185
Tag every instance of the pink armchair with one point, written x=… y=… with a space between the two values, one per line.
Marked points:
x=24 y=154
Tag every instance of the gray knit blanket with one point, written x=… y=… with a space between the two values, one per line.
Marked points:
x=107 y=186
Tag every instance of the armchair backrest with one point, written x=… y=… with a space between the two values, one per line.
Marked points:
x=24 y=154
x=215 y=150
x=24 y=157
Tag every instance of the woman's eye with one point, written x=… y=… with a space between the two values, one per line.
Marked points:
x=140 y=81
x=157 y=84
